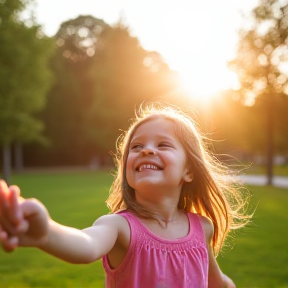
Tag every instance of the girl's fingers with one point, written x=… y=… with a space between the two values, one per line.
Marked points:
x=7 y=226
x=22 y=227
x=4 y=192
x=3 y=234
x=16 y=189
x=10 y=243
x=18 y=230
x=4 y=205
x=11 y=218
x=14 y=211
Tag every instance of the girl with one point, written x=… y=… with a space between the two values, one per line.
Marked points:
x=172 y=206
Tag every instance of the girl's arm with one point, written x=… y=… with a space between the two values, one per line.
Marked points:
x=81 y=246
x=216 y=279
x=27 y=223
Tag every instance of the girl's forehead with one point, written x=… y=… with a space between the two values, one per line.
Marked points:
x=156 y=126
x=157 y=121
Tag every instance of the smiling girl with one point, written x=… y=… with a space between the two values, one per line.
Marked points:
x=171 y=204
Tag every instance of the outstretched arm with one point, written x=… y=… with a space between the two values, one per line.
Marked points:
x=216 y=278
x=26 y=223
x=81 y=246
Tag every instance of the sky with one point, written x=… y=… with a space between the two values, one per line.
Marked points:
x=195 y=37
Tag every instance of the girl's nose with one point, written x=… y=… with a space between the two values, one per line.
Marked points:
x=148 y=151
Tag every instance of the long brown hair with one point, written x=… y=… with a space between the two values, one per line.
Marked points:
x=213 y=192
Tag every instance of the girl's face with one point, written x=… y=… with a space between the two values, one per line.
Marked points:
x=156 y=158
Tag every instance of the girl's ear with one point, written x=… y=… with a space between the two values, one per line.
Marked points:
x=189 y=176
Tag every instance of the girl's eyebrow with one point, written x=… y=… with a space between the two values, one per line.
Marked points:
x=135 y=139
x=159 y=138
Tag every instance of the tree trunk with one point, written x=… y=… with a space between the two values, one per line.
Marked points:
x=270 y=137
x=6 y=161
x=18 y=153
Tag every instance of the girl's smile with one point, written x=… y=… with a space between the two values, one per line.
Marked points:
x=147 y=166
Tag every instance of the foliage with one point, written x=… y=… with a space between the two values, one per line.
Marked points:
x=235 y=125
x=262 y=50
x=101 y=74
x=24 y=74
x=72 y=91
x=260 y=65
x=125 y=75
x=24 y=79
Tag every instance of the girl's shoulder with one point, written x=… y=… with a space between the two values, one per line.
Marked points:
x=207 y=226
x=114 y=219
x=118 y=223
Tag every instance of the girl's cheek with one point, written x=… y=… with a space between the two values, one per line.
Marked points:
x=130 y=161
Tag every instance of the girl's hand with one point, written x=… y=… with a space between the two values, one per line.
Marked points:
x=10 y=216
x=22 y=222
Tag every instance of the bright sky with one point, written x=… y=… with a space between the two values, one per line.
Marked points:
x=195 y=37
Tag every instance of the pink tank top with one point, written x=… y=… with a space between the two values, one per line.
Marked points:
x=153 y=262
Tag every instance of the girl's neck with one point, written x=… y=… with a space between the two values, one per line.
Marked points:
x=162 y=204
x=168 y=216
x=165 y=211
x=166 y=219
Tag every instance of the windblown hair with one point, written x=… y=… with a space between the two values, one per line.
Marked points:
x=213 y=192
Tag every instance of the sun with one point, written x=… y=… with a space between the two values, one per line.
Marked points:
x=201 y=84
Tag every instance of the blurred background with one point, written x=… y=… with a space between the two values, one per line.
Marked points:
x=73 y=73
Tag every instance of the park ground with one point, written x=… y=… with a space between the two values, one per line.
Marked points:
x=254 y=257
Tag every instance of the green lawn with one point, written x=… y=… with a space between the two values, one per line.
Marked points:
x=259 y=257
x=279 y=170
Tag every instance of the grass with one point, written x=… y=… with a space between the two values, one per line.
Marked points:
x=259 y=257
x=278 y=170
x=76 y=200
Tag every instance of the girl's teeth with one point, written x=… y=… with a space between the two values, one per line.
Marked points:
x=148 y=166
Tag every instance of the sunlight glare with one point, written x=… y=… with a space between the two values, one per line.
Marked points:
x=195 y=44
x=205 y=83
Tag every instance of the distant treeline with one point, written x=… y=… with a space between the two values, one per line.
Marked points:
x=87 y=86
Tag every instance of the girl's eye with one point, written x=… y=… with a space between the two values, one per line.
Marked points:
x=136 y=146
x=164 y=145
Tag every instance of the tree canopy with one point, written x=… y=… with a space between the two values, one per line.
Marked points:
x=24 y=76
x=101 y=74
x=261 y=65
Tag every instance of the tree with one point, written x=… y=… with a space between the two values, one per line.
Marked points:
x=24 y=78
x=101 y=74
x=78 y=42
x=125 y=75
x=233 y=126
x=260 y=65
